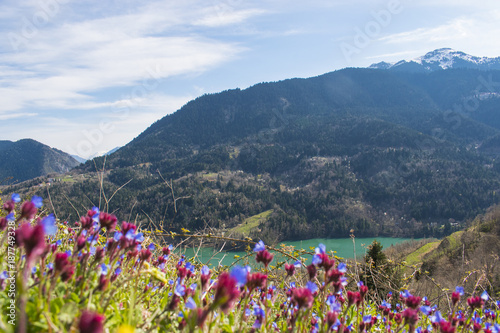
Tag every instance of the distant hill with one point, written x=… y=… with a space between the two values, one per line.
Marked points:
x=462 y=254
x=26 y=159
x=383 y=152
x=441 y=59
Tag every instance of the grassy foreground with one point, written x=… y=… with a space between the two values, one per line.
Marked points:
x=103 y=276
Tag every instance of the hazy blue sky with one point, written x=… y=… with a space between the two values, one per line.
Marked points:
x=86 y=76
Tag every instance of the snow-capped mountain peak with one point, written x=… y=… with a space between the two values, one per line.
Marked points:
x=440 y=59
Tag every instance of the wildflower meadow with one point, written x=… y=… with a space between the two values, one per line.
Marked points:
x=100 y=275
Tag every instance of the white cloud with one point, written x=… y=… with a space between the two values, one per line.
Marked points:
x=63 y=66
x=458 y=28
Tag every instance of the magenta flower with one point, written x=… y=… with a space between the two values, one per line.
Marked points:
x=28 y=210
x=256 y=280
x=475 y=302
x=9 y=206
x=290 y=269
x=264 y=257
x=61 y=261
x=32 y=239
x=413 y=301
x=302 y=297
x=107 y=221
x=91 y=322
x=226 y=292
x=311 y=270
x=145 y=255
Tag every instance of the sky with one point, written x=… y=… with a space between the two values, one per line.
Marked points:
x=86 y=76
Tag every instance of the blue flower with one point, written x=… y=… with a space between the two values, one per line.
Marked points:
x=117 y=236
x=180 y=290
x=139 y=237
x=320 y=249
x=151 y=247
x=312 y=286
x=93 y=239
x=15 y=197
x=426 y=310
x=190 y=267
x=332 y=303
x=49 y=225
x=292 y=285
x=360 y=283
x=367 y=319
x=459 y=290
x=4 y=275
x=33 y=270
x=190 y=303
x=259 y=246
x=405 y=293
x=68 y=253
x=37 y=201
x=258 y=311
x=386 y=305
x=239 y=274
x=205 y=270
x=342 y=267
x=193 y=286
x=118 y=271
x=248 y=312
x=484 y=296
x=436 y=317
x=104 y=269
x=316 y=260
x=59 y=242
x=297 y=264
x=10 y=217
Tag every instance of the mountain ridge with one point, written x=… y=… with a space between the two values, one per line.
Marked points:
x=27 y=158
x=441 y=59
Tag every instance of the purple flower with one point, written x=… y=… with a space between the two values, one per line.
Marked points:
x=436 y=317
x=312 y=286
x=117 y=236
x=426 y=310
x=37 y=201
x=180 y=290
x=259 y=246
x=15 y=197
x=240 y=275
x=321 y=249
x=49 y=225
x=316 y=260
x=190 y=303
x=104 y=269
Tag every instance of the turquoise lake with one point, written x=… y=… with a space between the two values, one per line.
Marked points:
x=343 y=248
